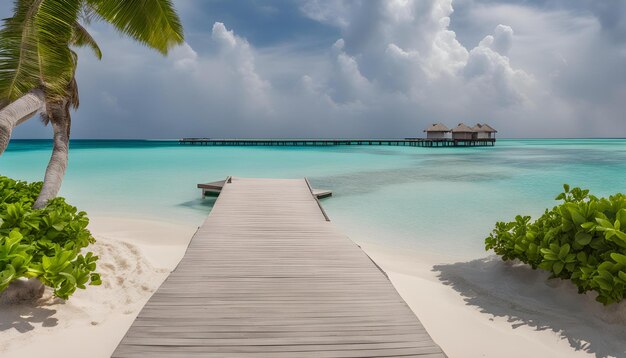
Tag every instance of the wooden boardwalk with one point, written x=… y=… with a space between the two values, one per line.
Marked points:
x=267 y=275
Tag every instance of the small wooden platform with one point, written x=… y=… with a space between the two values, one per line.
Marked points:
x=267 y=275
x=321 y=193
x=214 y=189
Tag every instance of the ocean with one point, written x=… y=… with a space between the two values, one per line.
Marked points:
x=443 y=201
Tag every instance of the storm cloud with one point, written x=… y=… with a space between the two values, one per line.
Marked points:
x=543 y=68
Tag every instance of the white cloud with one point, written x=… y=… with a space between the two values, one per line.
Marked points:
x=490 y=72
x=502 y=39
x=395 y=66
x=237 y=56
x=415 y=57
x=542 y=74
x=225 y=37
x=184 y=57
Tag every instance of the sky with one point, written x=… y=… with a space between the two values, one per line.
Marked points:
x=332 y=68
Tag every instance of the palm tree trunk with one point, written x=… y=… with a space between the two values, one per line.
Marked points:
x=59 y=117
x=18 y=112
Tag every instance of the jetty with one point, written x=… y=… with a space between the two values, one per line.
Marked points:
x=409 y=142
x=268 y=275
x=437 y=135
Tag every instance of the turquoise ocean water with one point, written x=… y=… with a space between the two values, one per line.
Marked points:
x=433 y=200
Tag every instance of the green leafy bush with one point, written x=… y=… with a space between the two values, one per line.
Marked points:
x=44 y=243
x=582 y=239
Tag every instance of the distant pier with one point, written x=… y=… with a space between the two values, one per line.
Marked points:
x=408 y=142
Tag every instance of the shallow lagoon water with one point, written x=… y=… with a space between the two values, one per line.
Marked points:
x=440 y=201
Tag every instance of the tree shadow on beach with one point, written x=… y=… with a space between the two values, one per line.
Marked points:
x=526 y=297
x=23 y=317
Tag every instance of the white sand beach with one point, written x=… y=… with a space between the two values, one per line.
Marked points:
x=484 y=308
x=489 y=308
x=135 y=257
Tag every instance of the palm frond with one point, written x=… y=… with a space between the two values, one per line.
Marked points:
x=154 y=23
x=87 y=15
x=54 y=23
x=81 y=38
x=19 y=61
x=71 y=92
x=34 y=49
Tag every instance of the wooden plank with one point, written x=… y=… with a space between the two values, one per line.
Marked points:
x=322 y=193
x=267 y=275
x=217 y=185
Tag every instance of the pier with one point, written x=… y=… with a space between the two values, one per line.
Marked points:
x=268 y=275
x=410 y=142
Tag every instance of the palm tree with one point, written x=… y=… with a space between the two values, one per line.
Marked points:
x=37 y=63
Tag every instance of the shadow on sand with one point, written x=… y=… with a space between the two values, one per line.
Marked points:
x=526 y=297
x=23 y=317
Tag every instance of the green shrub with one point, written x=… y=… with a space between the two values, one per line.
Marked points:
x=582 y=239
x=44 y=243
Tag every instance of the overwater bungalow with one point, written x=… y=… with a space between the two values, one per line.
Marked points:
x=437 y=131
x=463 y=132
x=484 y=131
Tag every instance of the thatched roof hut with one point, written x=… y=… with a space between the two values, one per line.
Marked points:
x=462 y=131
x=484 y=131
x=462 y=128
x=437 y=131
x=485 y=128
x=437 y=127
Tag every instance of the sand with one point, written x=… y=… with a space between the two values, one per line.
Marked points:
x=135 y=257
x=489 y=308
x=480 y=308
